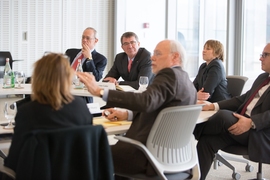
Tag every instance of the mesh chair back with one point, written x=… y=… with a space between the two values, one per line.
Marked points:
x=171 y=139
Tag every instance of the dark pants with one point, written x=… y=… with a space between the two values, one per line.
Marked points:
x=213 y=135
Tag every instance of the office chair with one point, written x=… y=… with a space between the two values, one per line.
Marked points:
x=235 y=87
x=80 y=152
x=170 y=147
x=236 y=84
x=3 y=56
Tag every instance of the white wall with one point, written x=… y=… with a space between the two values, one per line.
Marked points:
x=131 y=16
x=31 y=27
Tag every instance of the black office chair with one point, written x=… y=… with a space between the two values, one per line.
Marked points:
x=236 y=84
x=80 y=152
x=3 y=56
x=235 y=87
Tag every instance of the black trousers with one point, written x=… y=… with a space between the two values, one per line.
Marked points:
x=213 y=135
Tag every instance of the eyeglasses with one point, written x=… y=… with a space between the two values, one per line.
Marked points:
x=128 y=43
x=264 y=55
x=88 y=38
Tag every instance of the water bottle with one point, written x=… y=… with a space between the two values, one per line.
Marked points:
x=79 y=84
x=9 y=77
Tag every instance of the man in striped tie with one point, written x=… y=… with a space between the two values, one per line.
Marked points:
x=242 y=120
x=91 y=60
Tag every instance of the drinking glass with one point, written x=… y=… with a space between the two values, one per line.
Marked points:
x=20 y=78
x=10 y=113
x=143 y=82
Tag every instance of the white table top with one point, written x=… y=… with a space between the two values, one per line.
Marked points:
x=204 y=115
x=27 y=90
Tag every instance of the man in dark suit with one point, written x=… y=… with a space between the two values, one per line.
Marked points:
x=92 y=61
x=140 y=63
x=234 y=124
x=171 y=86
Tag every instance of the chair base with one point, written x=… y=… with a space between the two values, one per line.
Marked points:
x=235 y=175
x=175 y=176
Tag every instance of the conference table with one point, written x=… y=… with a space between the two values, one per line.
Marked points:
x=110 y=130
x=75 y=91
x=120 y=128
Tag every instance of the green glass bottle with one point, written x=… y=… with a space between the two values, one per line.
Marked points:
x=9 y=77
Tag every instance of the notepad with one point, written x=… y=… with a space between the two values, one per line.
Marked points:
x=125 y=88
x=106 y=123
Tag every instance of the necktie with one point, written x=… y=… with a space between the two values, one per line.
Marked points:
x=129 y=65
x=253 y=95
x=74 y=66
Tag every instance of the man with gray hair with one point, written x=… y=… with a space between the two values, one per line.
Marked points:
x=91 y=60
x=171 y=86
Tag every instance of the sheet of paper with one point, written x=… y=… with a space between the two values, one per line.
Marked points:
x=106 y=123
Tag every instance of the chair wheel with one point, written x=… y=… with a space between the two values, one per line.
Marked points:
x=220 y=163
x=249 y=168
x=236 y=176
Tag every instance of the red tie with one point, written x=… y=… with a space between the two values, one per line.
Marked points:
x=129 y=65
x=74 y=66
x=253 y=95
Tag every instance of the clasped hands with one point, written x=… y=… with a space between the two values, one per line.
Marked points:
x=111 y=80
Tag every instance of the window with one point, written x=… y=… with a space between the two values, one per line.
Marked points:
x=256 y=35
x=197 y=22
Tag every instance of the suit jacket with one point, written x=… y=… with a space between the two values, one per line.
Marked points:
x=141 y=66
x=259 y=138
x=33 y=115
x=212 y=78
x=96 y=66
x=170 y=87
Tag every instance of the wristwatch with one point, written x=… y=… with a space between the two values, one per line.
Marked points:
x=101 y=92
x=253 y=126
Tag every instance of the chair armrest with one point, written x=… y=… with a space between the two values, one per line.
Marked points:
x=148 y=154
x=2 y=154
x=136 y=143
x=9 y=172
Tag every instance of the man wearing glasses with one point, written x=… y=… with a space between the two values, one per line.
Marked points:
x=130 y=64
x=91 y=60
x=242 y=120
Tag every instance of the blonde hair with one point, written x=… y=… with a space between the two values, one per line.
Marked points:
x=51 y=80
x=217 y=48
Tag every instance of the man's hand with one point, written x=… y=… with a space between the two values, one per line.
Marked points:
x=90 y=82
x=208 y=106
x=111 y=80
x=86 y=51
x=242 y=126
x=116 y=114
x=203 y=96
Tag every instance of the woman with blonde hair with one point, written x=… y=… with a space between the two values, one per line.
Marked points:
x=52 y=105
x=211 y=82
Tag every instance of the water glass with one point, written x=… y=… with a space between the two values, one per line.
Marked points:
x=10 y=111
x=20 y=76
x=143 y=82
